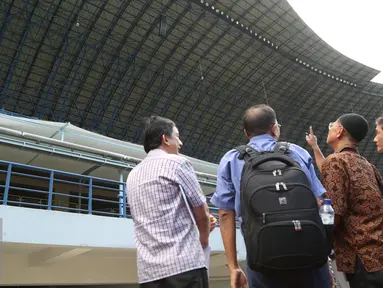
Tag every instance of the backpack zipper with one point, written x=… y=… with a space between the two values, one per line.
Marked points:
x=273 y=185
x=265 y=172
x=266 y=186
x=284 y=211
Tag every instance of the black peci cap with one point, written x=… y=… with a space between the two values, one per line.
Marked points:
x=355 y=124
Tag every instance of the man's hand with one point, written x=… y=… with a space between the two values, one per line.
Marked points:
x=320 y=202
x=312 y=139
x=213 y=222
x=313 y=142
x=332 y=281
x=238 y=279
x=332 y=278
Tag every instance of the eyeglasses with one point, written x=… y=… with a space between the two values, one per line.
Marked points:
x=331 y=124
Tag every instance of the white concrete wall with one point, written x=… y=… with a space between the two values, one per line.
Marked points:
x=34 y=226
x=17 y=270
x=43 y=247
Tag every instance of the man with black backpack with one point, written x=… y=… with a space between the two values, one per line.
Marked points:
x=272 y=188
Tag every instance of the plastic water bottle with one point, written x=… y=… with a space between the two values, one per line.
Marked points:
x=327 y=213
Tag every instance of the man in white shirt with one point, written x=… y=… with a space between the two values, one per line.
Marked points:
x=169 y=246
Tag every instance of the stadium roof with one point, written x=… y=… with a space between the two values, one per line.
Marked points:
x=103 y=65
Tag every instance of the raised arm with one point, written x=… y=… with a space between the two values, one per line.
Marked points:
x=313 y=142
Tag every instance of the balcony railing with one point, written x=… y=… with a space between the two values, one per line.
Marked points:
x=40 y=188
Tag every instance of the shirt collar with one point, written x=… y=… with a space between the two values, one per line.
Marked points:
x=157 y=151
x=351 y=147
x=263 y=137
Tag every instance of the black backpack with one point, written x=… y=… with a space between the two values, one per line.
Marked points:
x=281 y=225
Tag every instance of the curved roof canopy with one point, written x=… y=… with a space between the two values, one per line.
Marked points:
x=103 y=65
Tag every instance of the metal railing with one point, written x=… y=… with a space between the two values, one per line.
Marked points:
x=40 y=188
x=35 y=187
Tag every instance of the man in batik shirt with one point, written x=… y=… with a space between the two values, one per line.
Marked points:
x=351 y=184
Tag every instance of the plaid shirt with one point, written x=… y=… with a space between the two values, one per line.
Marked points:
x=167 y=240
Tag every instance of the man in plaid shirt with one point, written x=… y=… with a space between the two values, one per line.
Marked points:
x=169 y=246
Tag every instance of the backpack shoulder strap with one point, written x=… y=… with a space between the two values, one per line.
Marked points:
x=282 y=147
x=245 y=151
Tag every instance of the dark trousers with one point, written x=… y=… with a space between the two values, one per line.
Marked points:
x=364 y=279
x=191 y=279
x=318 y=278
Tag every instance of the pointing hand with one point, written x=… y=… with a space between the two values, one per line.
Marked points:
x=312 y=139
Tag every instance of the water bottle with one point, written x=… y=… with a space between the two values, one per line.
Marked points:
x=327 y=213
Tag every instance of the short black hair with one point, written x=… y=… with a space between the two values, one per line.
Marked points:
x=154 y=128
x=379 y=121
x=259 y=119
